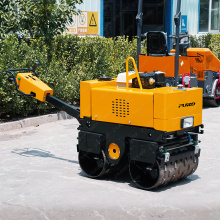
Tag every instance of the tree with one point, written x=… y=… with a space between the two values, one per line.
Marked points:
x=8 y=16
x=37 y=18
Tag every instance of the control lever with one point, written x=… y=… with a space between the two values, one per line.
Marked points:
x=35 y=67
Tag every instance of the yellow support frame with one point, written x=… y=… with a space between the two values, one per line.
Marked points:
x=134 y=75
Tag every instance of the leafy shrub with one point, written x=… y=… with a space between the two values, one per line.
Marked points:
x=211 y=41
x=215 y=44
x=69 y=60
x=15 y=54
x=202 y=41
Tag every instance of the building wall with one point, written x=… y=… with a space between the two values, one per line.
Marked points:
x=90 y=5
x=191 y=9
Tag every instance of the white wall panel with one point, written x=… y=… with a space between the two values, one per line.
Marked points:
x=191 y=9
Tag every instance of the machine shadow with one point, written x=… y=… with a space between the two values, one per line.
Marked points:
x=206 y=107
x=36 y=152
x=119 y=176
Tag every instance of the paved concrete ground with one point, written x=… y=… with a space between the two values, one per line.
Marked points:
x=40 y=178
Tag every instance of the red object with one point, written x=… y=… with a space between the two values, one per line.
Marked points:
x=185 y=74
x=218 y=86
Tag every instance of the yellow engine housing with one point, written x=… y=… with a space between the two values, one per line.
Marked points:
x=159 y=108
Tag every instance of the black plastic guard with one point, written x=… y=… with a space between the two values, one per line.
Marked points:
x=90 y=142
x=143 y=151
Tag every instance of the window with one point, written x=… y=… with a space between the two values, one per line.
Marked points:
x=209 y=16
x=215 y=15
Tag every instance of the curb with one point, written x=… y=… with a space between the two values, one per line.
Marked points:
x=35 y=121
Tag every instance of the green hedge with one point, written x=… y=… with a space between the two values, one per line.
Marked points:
x=15 y=54
x=211 y=41
x=215 y=44
x=202 y=41
x=70 y=60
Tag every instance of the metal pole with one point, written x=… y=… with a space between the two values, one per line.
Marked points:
x=139 y=19
x=177 y=23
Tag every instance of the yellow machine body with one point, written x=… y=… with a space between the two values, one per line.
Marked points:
x=159 y=108
x=30 y=84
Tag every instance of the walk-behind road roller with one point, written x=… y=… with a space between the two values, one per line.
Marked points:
x=134 y=119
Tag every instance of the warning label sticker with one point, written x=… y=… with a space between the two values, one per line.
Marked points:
x=72 y=29
x=85 y=23
x=93 y=19
x=82 y=21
